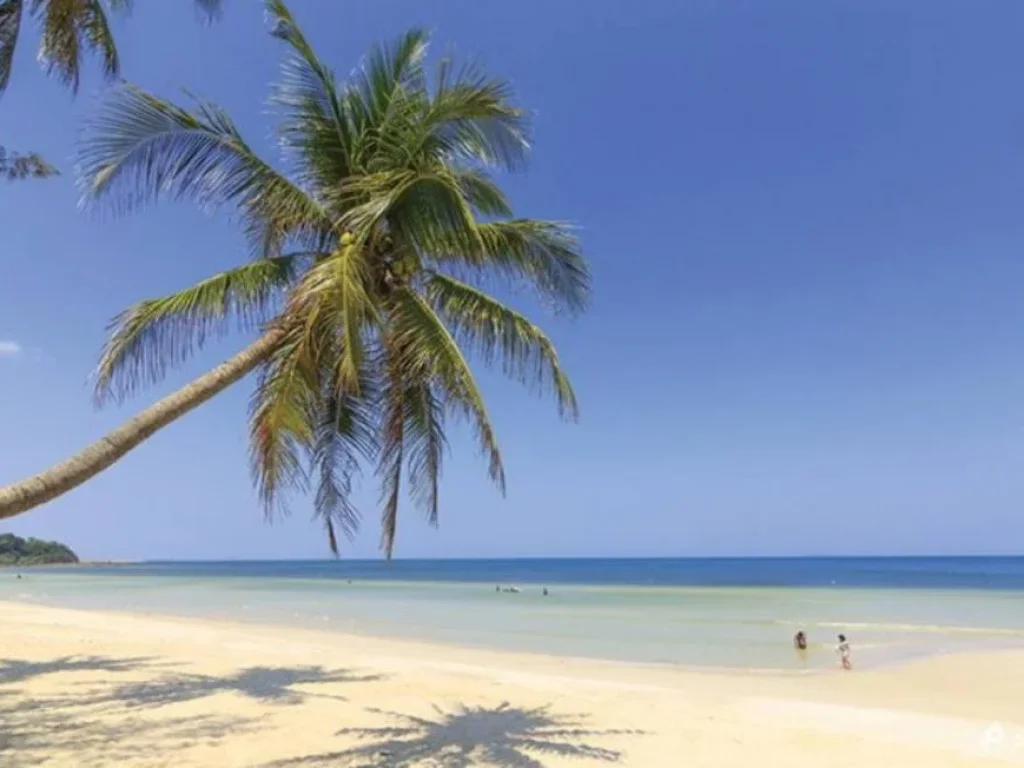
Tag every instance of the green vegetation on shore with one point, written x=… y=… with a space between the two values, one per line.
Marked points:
x=15 y=550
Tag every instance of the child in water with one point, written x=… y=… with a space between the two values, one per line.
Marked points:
x=800 y=641
x=843 y=649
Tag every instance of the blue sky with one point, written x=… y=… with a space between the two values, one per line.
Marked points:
x=807 y=330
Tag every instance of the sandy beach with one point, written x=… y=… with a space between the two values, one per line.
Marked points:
x=84 y=688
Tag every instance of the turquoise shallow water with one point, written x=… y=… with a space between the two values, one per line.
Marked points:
x=703 y=624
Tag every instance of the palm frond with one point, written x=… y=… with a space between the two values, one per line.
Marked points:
x=498 y=333
x=59 y=47
x=138 y=148
x=15 y=166
x=417 y=207
x=412 y=435
x=317 y=131
x=158 y=334
x=426 y=446
x=480 y=191
x=392 y=69
x=544 y=254
x=471 y=117
x=344 y=435
x=392 y=452
x=10 y=25
x=428 y=350
x=336 y=291
x=95 y=31
x=308 y=389
x=283 y=416
x=68 y=28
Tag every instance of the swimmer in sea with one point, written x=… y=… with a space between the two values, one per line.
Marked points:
x=843 y=649
x=800 y=641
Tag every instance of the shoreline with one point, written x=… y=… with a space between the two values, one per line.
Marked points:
x=123 y=686
x=487 y=657
x=408 y=642
x=726 y=629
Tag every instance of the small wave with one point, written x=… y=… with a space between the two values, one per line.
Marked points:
x=923 y=628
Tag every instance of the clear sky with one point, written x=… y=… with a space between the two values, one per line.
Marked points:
x=807 y=332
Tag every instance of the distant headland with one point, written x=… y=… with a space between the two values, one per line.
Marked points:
x=15 y=550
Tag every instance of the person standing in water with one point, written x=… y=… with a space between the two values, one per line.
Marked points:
x=843 y=649
x=800 y=641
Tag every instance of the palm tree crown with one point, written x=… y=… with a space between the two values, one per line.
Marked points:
x=371 y=258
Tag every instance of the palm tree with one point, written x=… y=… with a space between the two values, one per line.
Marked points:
x=69 y=28
x=372 y=255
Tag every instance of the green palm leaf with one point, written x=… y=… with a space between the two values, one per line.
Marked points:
x=392 y=455
x=428 y=349
x=498 y=333
x=417 y=208
x=471 y=117
x=543 y=254
x=95 y=32
x=412 y=438
x=283 y=421
x=10 y=26
x=344 y=437
x=157 y=334
x=60 y=46
x=140 y=147
x=479 y=191
x=316 y=133
x=335 y=294
x=300 y=399
x=426 y=446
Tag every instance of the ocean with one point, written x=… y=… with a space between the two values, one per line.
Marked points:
x=723 y=613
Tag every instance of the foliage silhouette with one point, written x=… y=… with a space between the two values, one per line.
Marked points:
x=19 y=670
x=506 y=736
x=57 y=730
x=264 y=684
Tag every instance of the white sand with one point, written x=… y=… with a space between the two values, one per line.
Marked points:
x=99 y=689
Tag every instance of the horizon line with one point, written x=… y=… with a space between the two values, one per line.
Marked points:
x=532 y=558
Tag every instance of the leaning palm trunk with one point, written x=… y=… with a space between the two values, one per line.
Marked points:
x=68 y=474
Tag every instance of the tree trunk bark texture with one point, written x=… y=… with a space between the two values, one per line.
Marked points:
x=70 y=473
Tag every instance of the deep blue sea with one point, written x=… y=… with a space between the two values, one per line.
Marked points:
x=730 y=612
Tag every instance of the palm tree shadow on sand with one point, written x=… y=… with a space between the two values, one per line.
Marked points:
x=269 y=685
x=506 y=736
x=46 y=730
x=20 y=670
x=106 y=722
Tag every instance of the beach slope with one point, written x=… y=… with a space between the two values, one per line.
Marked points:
x=98 y=689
